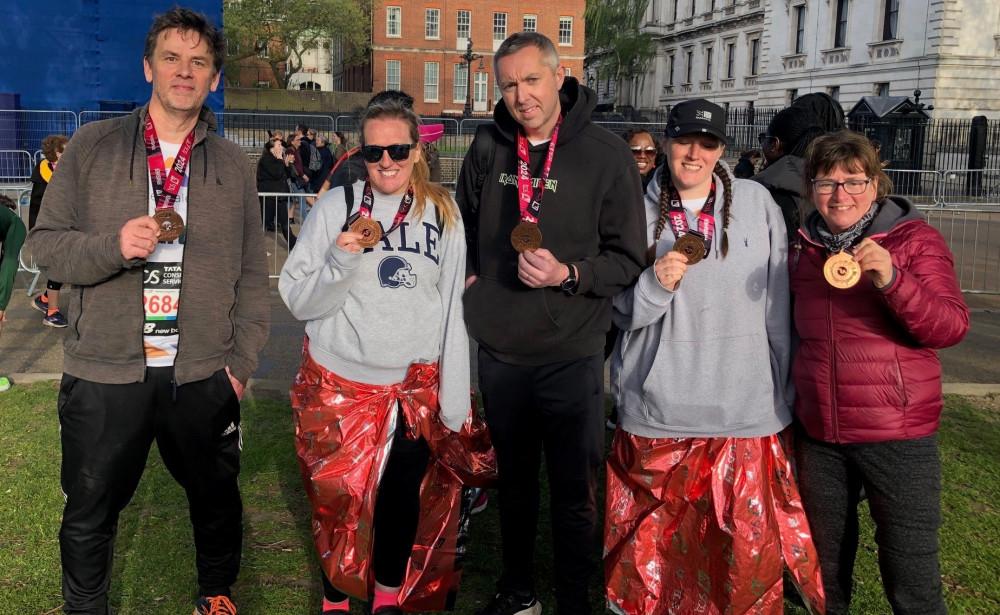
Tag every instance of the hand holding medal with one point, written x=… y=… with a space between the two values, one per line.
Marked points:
x=138 y=237
x=875 y=261
x=670 y=268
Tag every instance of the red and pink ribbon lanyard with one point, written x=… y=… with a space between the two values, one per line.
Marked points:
x=368 y=203
x=706 y=217
x=166 y=185
x=531 y=200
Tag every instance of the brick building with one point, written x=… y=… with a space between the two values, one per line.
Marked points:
x=417 y=47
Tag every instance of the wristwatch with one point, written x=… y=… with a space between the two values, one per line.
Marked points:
x=570 y=284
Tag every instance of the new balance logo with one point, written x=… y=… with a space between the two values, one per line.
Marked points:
x=229 y=430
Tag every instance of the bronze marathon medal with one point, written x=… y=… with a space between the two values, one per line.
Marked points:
x=691 y=246
x=841 y=271
x=526 y=236
x=369 y=230
x=171 y=224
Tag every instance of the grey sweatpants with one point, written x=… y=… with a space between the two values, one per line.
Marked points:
x=903 y=482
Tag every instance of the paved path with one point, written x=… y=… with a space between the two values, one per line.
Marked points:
x=30 y=351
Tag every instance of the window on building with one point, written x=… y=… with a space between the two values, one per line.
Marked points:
x=432 y=23
x=677 y=4
x=840 y=28
x=393 y=21
x=565 y=30
x=431 y=81
x=708 y=63
x=461 y=83
x=392 y=74
x=834 y=92
x=692 y=8
x=882 y=89
x=688 y=66
x=711 y=5
x=530 y=23
x=497 y=94
x=754 y=56
x=790 y=96
x=568 y=71
x=499 y=26
x=670 y=69
x=730 y=60
x=464 y=24
x=889 y=31
x=800 y=29
x=263 y=49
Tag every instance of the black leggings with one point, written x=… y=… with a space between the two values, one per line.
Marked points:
x=397 y=511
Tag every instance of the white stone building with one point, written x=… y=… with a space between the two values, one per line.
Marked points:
x=770 y=51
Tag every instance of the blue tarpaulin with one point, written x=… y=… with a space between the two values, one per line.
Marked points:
x=83 y=54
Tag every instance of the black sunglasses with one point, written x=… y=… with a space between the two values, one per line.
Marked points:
x=398 y=151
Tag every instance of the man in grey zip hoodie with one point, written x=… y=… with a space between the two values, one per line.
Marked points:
x=165 y=324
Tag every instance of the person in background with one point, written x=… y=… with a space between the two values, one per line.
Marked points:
x=644 y=150
x=153 y=217
x=273 y=171
x=700 y=377
x=340 y=143
x=746 y=167
x=385 y=361
x=301 y=133
x=52 y=148
x=783 y=145
x=867 y=373
x=878 y=152
x=429 y=133
x=540 y=311
x=326 y=164
x=12 y=234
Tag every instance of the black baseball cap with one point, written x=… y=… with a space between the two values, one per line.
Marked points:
x=698 y=115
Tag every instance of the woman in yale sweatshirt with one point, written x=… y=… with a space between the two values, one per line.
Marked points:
x=377 y=274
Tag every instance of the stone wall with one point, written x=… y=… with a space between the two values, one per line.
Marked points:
x=295 y=100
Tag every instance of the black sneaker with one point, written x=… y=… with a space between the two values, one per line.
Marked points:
x=508 y=602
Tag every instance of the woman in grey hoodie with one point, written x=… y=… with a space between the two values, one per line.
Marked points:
x=701 y=504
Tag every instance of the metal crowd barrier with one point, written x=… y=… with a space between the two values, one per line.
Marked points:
x=973 y=235
x=281 y=218
x=15 y=166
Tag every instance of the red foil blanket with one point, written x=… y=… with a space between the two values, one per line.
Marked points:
x=703 y=525
x=343 y=430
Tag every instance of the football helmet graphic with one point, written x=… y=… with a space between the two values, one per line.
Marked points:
x=394 y=272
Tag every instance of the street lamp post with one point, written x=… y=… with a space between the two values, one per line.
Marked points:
x=468 y=58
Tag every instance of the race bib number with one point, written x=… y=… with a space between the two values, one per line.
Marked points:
x=161 y=291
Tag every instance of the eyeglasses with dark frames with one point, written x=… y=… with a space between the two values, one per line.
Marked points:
x=851 y=186
x=398 y=151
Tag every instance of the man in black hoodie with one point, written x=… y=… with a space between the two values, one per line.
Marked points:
x=555 y=227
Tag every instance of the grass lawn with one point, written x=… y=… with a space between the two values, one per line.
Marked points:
x=154 y=560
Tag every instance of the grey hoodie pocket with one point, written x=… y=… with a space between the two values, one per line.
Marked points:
x=710 y=385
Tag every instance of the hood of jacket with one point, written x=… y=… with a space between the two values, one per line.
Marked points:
x=576 y=103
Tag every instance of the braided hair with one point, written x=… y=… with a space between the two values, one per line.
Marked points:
x=727 y=209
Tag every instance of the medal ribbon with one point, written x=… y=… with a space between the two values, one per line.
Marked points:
x=706 y=217
x=531 y=200
x=368 y=203
x=166 y=185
